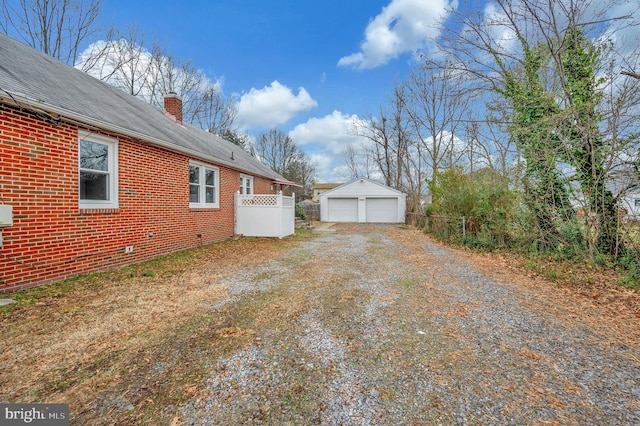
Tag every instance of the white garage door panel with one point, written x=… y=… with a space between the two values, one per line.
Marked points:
x=343 y=209
x=382 y=210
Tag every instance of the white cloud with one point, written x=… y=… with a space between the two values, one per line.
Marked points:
x=325 y=140
x=321 y=161
x=624 y=36
x=272 y=105
x=402 y=26
x=498 y=25
x=333 y=131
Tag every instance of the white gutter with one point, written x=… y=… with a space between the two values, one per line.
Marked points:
x=19 y=100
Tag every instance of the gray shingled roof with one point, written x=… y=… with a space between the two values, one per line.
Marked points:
x=39 y=81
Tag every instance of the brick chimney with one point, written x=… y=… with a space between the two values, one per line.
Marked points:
x=173 y=106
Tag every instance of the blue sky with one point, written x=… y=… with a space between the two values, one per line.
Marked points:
x=305 y=67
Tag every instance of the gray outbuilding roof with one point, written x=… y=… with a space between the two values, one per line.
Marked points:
x=36 y=81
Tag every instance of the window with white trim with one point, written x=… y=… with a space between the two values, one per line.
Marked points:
x=246 y=184
x=203 y=186
x=97 y=171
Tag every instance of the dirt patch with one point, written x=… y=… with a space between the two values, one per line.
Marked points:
x=70 y=341
x=587 y=297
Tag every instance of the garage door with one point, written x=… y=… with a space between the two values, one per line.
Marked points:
x=382 y=210
x=342 y=209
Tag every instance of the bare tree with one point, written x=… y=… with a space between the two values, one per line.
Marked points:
x=124 y=63
x=301 y=170
x=55 y=27
x=394 y=148
x=183 y=78
x=351 y=161
x=278 y=151
x=379 y=134
x=151 y=74
x=437 y=103
x=213 y=112
x=412 y=171
x=488 y=143
x=358 y=162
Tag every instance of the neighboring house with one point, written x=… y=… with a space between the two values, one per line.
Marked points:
x=363 y=200
x=630 y=203
x=626 y=188
x=97 y=178
x=320 y=188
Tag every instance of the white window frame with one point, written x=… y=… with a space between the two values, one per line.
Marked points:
x=243 y=184
x=112 y=172
x=202 y=194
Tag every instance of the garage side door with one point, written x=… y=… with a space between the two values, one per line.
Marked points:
x=382 y=210
x=342 y=209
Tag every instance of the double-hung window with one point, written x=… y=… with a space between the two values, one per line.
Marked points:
x=246 y=185
x=203 y=186
x=98 y=171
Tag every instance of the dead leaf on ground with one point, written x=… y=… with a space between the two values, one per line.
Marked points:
x=234 y=332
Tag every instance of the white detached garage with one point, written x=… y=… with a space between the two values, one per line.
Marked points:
x=363 y=200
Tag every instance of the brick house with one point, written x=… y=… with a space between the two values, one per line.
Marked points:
x=97 y=178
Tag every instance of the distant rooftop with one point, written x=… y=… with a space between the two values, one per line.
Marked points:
x=326 y=185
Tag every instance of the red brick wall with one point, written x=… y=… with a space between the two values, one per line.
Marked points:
x=263 y=186
x=52 y=239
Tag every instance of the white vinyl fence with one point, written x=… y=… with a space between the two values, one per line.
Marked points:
x=265 y=215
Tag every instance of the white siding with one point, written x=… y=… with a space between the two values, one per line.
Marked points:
x=264 y=215
x=382 y=210
x=342 y=209
x=363 y=200
x=362 y=187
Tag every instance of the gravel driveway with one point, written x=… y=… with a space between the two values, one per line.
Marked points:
x=376 y=325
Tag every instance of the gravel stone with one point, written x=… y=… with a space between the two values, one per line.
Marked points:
x=410 y=334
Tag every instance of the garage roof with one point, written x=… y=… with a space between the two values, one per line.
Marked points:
x=338 y=189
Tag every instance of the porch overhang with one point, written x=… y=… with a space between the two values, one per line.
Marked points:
x=287 y=182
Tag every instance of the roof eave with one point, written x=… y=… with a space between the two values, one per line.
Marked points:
x=287 y=182
x=20 y=101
